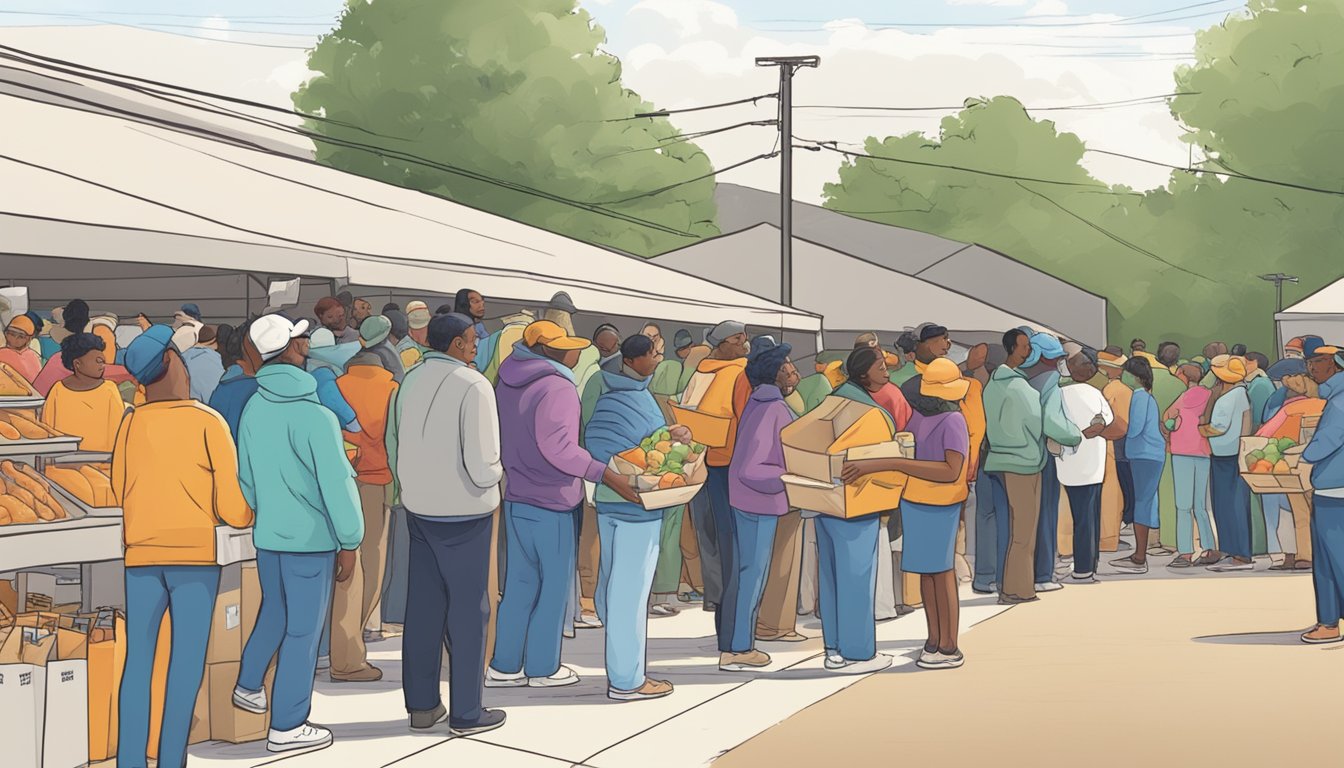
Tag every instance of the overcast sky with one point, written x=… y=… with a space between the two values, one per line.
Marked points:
x=680 y=53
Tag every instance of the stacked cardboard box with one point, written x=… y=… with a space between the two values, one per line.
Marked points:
x=44 y=691
x=816 y=447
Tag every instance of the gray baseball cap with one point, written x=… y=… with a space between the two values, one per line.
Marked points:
x=724 y=330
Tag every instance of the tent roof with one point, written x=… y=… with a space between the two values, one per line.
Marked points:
x=98 y=158
x=982 y=272
x=1327 y=301
x=853 y=294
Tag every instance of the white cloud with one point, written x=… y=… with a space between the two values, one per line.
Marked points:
x=682 y=53
x=1048 y=8
x=215 y=28
x=987 y=2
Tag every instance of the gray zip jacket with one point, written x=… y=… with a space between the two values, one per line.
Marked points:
x=443 y=441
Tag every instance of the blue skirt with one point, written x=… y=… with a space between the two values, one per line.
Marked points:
x=929 y=533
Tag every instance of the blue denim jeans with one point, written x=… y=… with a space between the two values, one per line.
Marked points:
x=1085 y=506
x=991 y=530
x=1147 y=476
x=754 y=540
x=295 y=603
x=1047 y=529
x=1231 y=506
x=847 y=553
x=543 y=555
x=187 y=593
x=629 y=557
x=725 y=540
x=1190 y=474
x=1273 y=506
x=1327 y=544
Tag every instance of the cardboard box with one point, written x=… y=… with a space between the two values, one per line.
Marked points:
x=1309 y=424
x=707 y=427
x=235 y=612
x=233 y=545
x=227 y=722
x=61 y=585
x=653 y=498
x=818 y=443
x=875 y=493
x=107 y=658
x=44 y=696
x=200 y=714
x=1297 y=481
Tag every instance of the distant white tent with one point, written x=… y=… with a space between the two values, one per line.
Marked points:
x=90 y=172
x=1320 y=314
x=853 y=294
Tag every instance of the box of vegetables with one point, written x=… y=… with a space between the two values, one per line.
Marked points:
x=667 y=471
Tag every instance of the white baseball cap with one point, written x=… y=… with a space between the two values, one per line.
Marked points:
x=271 y=334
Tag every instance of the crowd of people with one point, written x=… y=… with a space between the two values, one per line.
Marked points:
x=373 y=452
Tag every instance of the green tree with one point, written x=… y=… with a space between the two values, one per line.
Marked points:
x=1181 y=262
x=508 y=90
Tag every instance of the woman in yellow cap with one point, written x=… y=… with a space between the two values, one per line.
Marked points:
x=85 y=403
x=1227 y=421
x=931 y=504
x=17 y=353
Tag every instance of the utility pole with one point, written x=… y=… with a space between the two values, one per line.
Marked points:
x=787 y=66
x=1278 y=279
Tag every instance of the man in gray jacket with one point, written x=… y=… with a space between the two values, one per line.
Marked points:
x=444 y=450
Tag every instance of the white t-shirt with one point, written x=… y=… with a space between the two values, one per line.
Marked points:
x=1086 y=464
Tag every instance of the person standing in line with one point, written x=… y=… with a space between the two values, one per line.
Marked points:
x=931 y=503
x=1225 y=423
x=294 y=472
x=626 y=414
x=239 y=383
x=667 y=575
x=85 y=403
x=16 y=352
x=1190 y=467
x=1082 y=470
x=360 y=310
x=1117 y=506
x=204 y=364
x=1044 y=368
x=171 y=501
x=443 y=447
x=1304 y=400
x=725 y=396
x=1166 y=388
x=581 y=612
x=905 y=347
x=1147 y=454
x=332 y=314
x=472 y=305
x=1016 y=457
x=546 y=466
x=373 y=338
x=756 y=494
x=691 y=354
x=369 y=388
x=413 y=345
x=1325 y=453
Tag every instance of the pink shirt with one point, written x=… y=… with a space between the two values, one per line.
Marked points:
x=893 y=402
x=1185 y=439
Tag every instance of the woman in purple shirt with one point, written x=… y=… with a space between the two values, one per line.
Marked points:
x=756 y=495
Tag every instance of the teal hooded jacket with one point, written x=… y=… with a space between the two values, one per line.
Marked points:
x=293 y=468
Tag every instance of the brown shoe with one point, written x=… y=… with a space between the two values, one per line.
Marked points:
x=791 y=637
x=369 y=674
x=1322 y=635
x=741 y=662
x=651 y=689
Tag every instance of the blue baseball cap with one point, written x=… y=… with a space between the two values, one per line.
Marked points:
x=192 y=311
x=1044 y=345
x=144 y=356
x=1310 y=344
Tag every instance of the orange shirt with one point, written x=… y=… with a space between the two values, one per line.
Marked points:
x=369 y=389
x=1292 y=412
x=93 y=415
x=727 y=397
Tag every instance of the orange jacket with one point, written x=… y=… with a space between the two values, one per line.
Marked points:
x=727 y=396
x=369 y=389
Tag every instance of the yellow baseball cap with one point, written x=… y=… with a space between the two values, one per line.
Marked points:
x=942 y=378
x=548 y=334
x=1228 y=368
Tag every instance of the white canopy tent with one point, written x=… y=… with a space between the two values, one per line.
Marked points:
x=1320 y=314
x=89 y=183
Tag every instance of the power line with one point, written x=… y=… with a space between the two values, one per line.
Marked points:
x=155 y=14
x=1009 y=176
x=94 y=17
x=1136 y=101
x=1224 y=174
x=1111 y=235
x=710 y=175
x=174 y=34
x=1141 y=16
x=666 y=112
x=685 y=137
x=1140 y=20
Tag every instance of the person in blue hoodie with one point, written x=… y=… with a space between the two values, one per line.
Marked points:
x=237 y=385
x=294 y=473
x=625 y=414
x=1325 y=454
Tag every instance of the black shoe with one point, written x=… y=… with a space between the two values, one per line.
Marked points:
x=709 y=607
x=490 y=720
x=422 y=720
x=1011 y=600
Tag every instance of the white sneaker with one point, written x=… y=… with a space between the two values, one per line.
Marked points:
x=496 y=679
x=306 y=736
x=563 y=676
x=1231 y=564
x=941 y=661
x=1084 y=578
x=1048 y=586
x=834 y=661
x=323 y=663
x=249 y=701
x=876 y=664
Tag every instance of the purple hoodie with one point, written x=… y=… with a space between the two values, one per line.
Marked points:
x=539 y=409
x=755 y=483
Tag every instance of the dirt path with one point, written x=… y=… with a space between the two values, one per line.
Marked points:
x=1199 y=670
